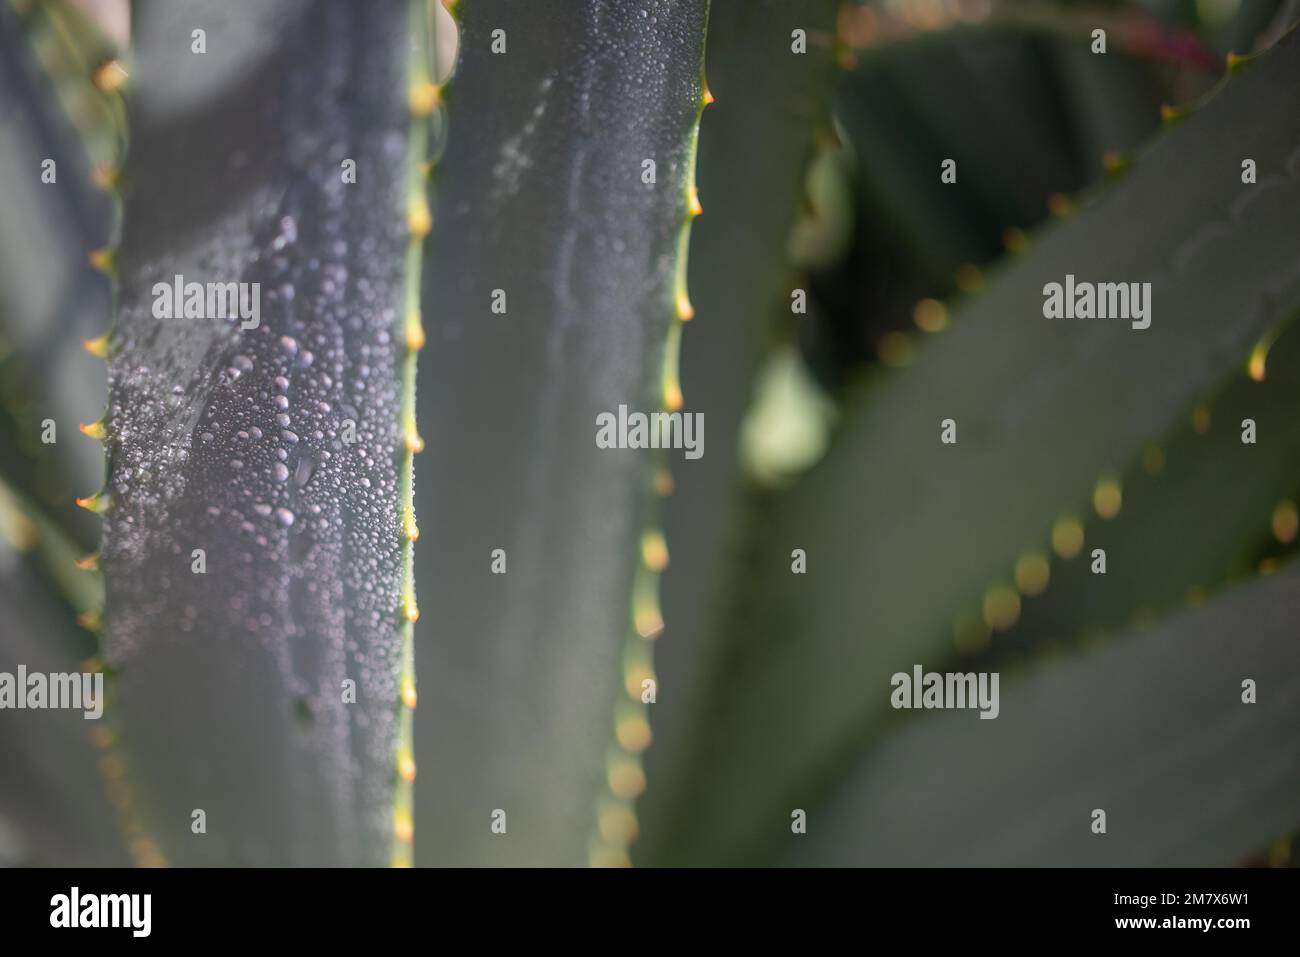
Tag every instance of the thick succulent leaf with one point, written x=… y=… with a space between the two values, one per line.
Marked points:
x=54 y=804
x=1042 y=407
x=1196 y=513
x=754 y=142
x=50 y=296
x=230 y=688
x=521 y=672
x=1152 y=730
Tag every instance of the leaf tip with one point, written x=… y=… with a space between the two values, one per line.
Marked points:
x=694 y=203
x=685 y=311
x=1107 y=497
x=647 y=619
x=673 y=399
x=654 y=550
x=403 y=827
x=1060 y=205
x=633 y=733
x=109 y=77
x=106 y=177
x=418 y=219
x=97 y=347
x=1113 y=162
x=414 y=332
x=1256 y=365
x=424 y=98
x=97 y=503
x=406 y=766
x=1235 y=61
x=102 y=259
x=626 y=779
x=930 y=315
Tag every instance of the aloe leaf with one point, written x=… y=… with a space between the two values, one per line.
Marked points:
x=522 y=673
x=756 y=140
x=50 y=296
x=1152 y=729
x=274 y=446
x=1044 y=409
x=1178 y=535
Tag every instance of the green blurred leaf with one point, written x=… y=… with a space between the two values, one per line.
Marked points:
x=1195 y=514
x=1151 y=729
x=1043 y=407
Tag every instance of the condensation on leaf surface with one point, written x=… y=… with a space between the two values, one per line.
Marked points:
x=230 y=682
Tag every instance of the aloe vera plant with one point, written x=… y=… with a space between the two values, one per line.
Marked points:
x=266 y=217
